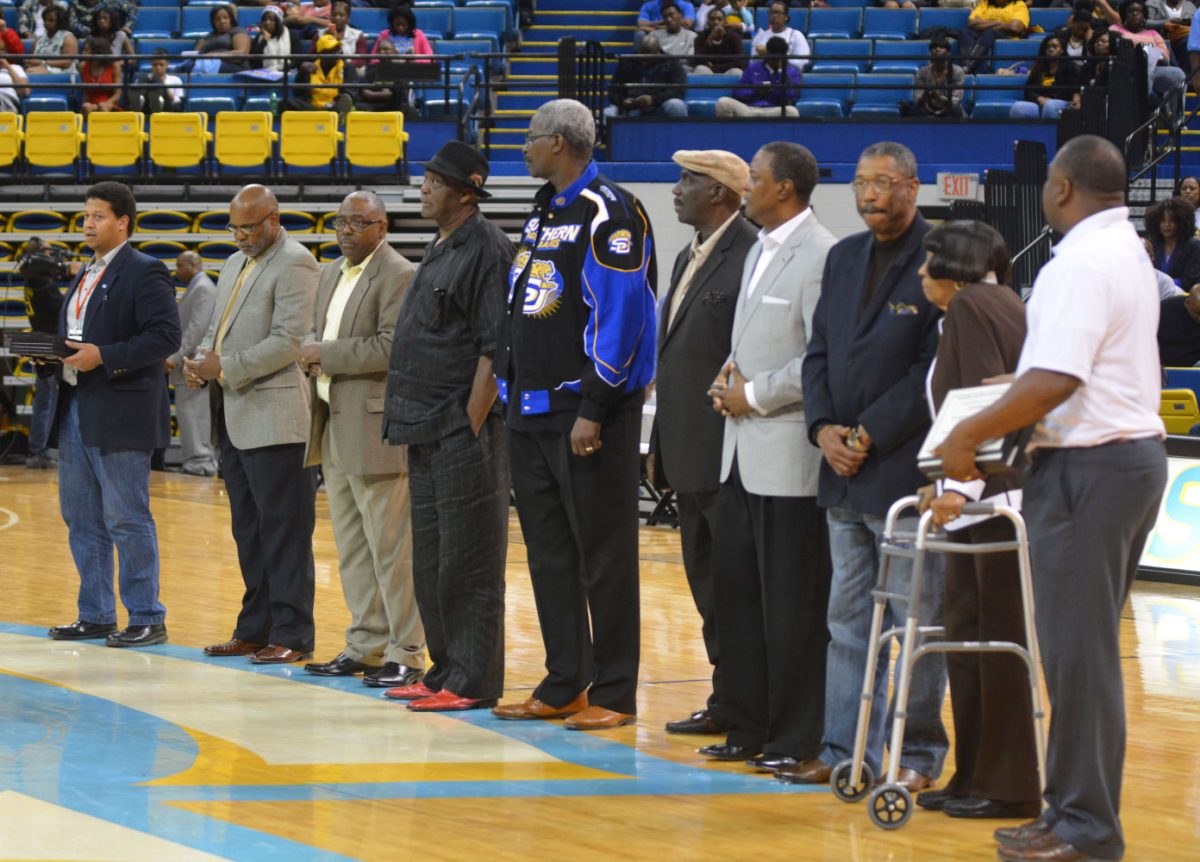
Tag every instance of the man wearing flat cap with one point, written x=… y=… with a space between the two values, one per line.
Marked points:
x=771 y=555
x=693 y=343
x=441 y=403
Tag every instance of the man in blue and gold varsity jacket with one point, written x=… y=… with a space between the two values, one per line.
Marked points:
x=575 y=356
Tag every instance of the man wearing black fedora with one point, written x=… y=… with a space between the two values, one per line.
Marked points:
x=441 y=402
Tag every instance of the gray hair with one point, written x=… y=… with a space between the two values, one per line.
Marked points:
x=373 y=200
x=900 y=154
x=572 y=120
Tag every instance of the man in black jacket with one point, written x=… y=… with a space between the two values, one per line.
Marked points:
x=648 y=86
x=43 y=302
x=693 y=344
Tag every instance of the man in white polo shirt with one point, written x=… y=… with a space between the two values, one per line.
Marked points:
x=1089 y=376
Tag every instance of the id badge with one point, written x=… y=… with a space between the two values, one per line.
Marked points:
x=75 y=333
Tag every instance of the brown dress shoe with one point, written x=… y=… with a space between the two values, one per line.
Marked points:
x=1047 y=848
x=276 y=654
x=913 y=780
x=1022 y=834
x=232 y=647
x=598 y=718
x=813 y=771
x=534 y=708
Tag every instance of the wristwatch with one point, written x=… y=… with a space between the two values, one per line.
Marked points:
x=853 y=441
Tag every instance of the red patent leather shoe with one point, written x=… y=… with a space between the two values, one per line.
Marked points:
x=415 y=691
x=447 y=701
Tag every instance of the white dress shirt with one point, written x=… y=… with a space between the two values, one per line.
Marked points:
x=81 y=299
x=337 y=307
x=797 y=44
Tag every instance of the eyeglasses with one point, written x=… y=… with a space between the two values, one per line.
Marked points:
x=881 y=184
x=248 y=229
x=529 y=139
x=354 y=224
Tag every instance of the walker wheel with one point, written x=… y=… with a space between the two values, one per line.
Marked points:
x=890 y=806
x=839 y=781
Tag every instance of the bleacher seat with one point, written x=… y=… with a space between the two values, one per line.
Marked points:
x=1007 y=52
x=466 y=47
x=37 y=221
x=834 y=23
x=166 y=250
x=11 y=135
x=211 y=94
x=6 y=249
x=157 y=22
x=309 y=139
x=53 y=139
x=889 y=23
x=215 y=252
x=370 y=20
x=244 y=139
x=178 y=141
x=76 y=223
x=173 y=47
x=375 y=140
x=702 y=100
x=825 y=95
x=295 y=221
x=162 y=221
x=840 y=56
x=797 y=19
x=480 y=22
x=950 y=19
x=995 y=94
x=893 y=57
x=510 y=30
x=211 y=221
x=1178 y=410
x=438 y=101
x=194 y=22
x=880 y=95
x=55 y=93
x=328 y=252
x=1049 y=19
x=435 y=23
x=116 y=140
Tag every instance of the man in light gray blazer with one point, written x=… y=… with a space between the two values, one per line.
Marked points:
x=366 y=480
x=251 y=358
x=771 y=555
x=192 y=411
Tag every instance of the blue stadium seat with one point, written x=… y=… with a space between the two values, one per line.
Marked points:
x=832 y=56
x=894 y=57
x=702 y=100
x=880 y=95
x=174 y=47
x=995 y=95
x=436 y=23
x=834 y=23
x=889 y=23
x=156 y=22
x=825 y=95
x=465 y=46
x=436 y=102
x=57 y=96
x=951 y=19
x=845 y=4
x=968 y=98
x=227 y=96
x=480 y=23
x=194 y=22
x=370 y=20
x=1006 y=52
x=510 y=30
x=11 y=15
x=1049 y=19
x=797 y=18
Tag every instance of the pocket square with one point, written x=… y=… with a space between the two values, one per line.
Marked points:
x=714 y=297
x=902 y=308
x=775 y=300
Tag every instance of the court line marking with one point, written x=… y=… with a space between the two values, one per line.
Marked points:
x=13 y=518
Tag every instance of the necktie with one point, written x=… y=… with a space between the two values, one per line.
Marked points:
x=237 y=289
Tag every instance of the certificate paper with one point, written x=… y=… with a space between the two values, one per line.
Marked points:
x=994 y=455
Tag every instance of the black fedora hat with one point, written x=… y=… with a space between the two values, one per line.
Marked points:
x=457 y=161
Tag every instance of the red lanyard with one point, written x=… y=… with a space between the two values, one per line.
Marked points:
x=82 y=301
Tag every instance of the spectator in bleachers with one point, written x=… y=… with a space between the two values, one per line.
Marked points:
x=159 y=90
x=309 y=20
x=83 y=13
x=403 y=33
x=1163 y=76
x=327 y=75
x=1095 y=71
x=1167 y=287
x=901 y=4
x=29 y=19
x=384 y=92
x=1171 y=228
x=1053 y=84
x=716 y=44
x=273 y=41
x=739 y=18
x=650 y=19
x=938 y=85
x=10 y=42
x=1174 y=21
x=12 y=86
x=674 y=38
x=990 y=20
x=777 y=26
x=1188 y=191
x=651 y=86
x=107 y=23
x=226 y=42
x=1079 y=29
x=101 y=77
x=766 y=86
x=55 y=39
x=354 y=41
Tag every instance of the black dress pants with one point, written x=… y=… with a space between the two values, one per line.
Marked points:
x=697 y=524
x=272 y=503
x=579 y=517
x=772 y=566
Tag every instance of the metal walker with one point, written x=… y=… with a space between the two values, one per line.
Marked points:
x=891 y=805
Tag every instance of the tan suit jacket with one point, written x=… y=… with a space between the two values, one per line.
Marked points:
x=357 y=362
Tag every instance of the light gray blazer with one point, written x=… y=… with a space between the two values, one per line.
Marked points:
x=266 y=394
x=195 y=314
x=770 y=337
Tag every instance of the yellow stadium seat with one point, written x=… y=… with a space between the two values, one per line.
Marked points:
x=375 y=140
x=163 y=221
x=178 y=140
x=11 y=135
x=309 y=139
x=37 y=221
x=244 y=139
x=295 y=221
x=166 y=250
x=328 y=251
x=6 y=251
x=53 y=138
x=1179 y=410
x=116 y=140
x=211 y=221
x=215 y=252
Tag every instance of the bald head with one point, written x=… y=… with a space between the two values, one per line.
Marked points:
x=366 y=203
x=255 y=195
x=1087 y=176
x=254 y=214
x=187 y=265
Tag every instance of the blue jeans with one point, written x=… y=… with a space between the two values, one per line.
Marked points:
x=669 y=108
x=104 y=496
x=1031 y=111
x=44 y=391
x=854 y=547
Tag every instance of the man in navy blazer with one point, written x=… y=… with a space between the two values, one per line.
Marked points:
x=112 y=413
x=873 y=338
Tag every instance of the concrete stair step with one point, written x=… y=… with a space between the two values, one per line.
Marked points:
x=581 y=32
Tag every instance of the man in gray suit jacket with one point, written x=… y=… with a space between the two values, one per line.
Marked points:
x=261 y=403
x=366 y=480
x=771 y=555
x=192 y=405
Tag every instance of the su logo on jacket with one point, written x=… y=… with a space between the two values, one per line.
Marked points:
x=543 y=288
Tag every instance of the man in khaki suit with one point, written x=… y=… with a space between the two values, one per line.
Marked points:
x=261 y=410
x=366 y=480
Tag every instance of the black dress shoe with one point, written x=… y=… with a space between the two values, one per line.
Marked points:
x=81 y=631
x=700 y=723
x=771 y=762
x=341 y=665
x=135 y=636
x=934 y=800
x=727 y=751
x=393 y=675
x=980 y=809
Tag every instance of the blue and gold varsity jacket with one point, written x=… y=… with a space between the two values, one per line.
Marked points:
x=579 y=333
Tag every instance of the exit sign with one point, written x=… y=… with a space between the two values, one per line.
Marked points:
x=958 y=186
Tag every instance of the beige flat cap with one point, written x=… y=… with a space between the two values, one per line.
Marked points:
x=724 y=167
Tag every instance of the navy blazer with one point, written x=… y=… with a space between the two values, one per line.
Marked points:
x=871 y=369
x=132 y=317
